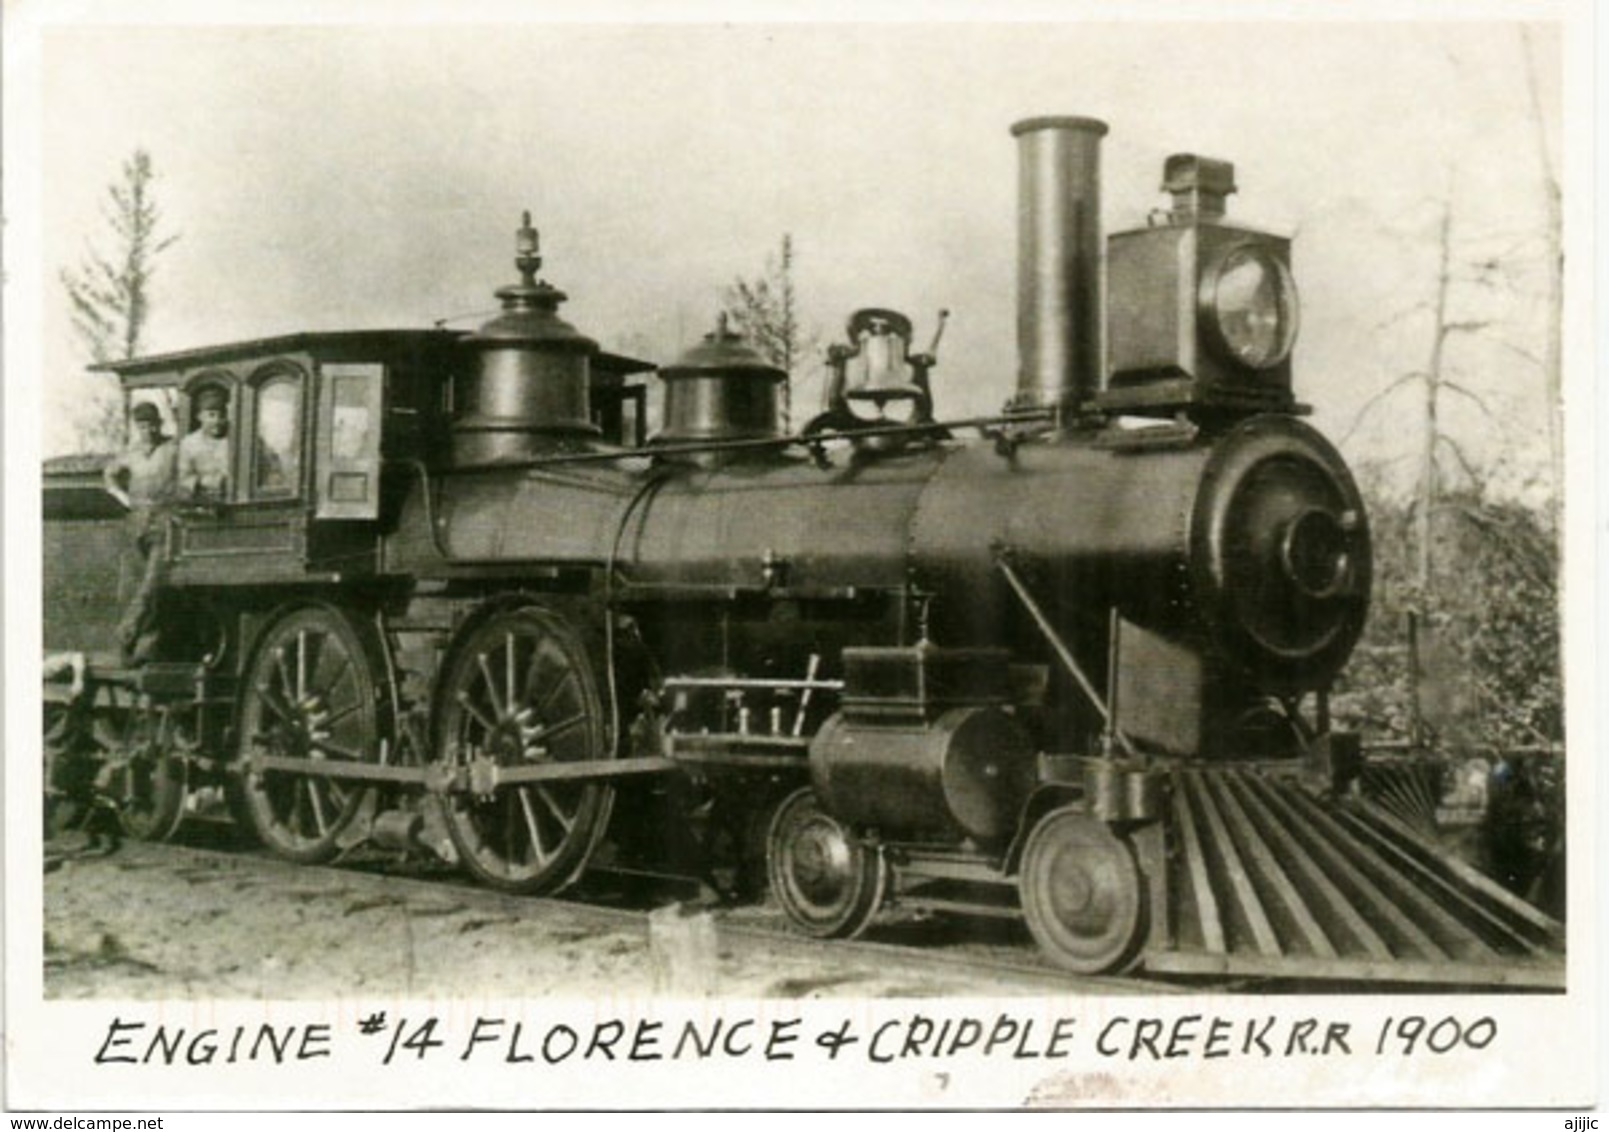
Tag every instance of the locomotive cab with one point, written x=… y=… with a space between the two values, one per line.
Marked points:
x=309 y=421
x=324 y=434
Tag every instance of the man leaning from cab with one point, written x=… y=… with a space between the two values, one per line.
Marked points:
x=142 y=479
x=204 y=451
x=141 y=476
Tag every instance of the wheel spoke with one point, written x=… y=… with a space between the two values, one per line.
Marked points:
x=542 y=857
x=479 y=716
x=284 y=674
x=565 y=821
x=338 y=716
x=491 y=685
x=318 y=807
x=544 y=733
x=296 y=817
x=345 y=753
x=508 y=671
x=546 y=702
x=543 y=659
x=301 y=666
x=328 y=684
x=269 y=700
x=127 y=793
x=508 y=827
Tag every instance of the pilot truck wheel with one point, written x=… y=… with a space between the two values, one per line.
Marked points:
x=829 y=885
x=1082 y=893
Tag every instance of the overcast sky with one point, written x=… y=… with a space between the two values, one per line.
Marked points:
x=341 y=176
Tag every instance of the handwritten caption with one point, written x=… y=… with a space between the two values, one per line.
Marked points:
x=384 y=1040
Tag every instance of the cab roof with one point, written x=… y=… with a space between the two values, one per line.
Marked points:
x=163 y=369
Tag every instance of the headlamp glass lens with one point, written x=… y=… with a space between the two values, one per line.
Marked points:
x=1255 y=307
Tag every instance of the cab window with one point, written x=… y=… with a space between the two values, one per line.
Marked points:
x=276 y=451
x=206 y=451
x=351 y=411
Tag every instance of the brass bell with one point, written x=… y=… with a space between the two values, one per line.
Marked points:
x=878 y=362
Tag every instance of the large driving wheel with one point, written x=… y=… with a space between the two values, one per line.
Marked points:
x=1082 y=893
x=520 y=691
x=828 y=884
x=310 y=694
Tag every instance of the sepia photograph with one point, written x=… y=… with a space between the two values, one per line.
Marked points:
x=787 y=558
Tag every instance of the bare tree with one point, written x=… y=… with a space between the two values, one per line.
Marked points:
x=1482 y=571
x=765 y=310
x=1553 y=198
x=1434 y=379
x=1484 y=283
x=110 y=290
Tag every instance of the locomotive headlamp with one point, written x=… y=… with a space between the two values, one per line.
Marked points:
x=1248 y=306
x=1202 y=312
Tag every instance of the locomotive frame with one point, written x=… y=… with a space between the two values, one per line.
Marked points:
x=454 y=598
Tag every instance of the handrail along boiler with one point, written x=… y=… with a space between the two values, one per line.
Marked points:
x=1070 y=662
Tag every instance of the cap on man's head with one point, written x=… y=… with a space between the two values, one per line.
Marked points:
x=146 y=412
x=211 y=398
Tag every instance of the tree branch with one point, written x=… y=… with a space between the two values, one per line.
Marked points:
x=1464 y=391
x=1463 y=461
x=1404 y=314
x=1518 y=351
x=1368 y=405
x=1468 y=326
x=1526 y=557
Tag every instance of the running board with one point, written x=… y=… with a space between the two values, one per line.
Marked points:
x=1264 y=879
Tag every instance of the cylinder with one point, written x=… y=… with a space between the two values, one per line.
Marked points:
x=1058 y=261
x=967 y=773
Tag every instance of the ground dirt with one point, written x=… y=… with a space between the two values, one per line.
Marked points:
x=156 y=921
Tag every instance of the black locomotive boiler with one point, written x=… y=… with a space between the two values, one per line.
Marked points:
x=1071 y=661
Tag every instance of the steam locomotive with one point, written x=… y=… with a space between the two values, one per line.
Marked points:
x=1070 y=662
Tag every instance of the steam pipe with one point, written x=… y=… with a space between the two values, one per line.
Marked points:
x=1058 y=262
x=1065 y=654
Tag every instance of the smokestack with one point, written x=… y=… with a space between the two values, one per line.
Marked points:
x=1058 y=261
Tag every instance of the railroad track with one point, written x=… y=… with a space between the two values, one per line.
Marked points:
x=653 y=923
x=987 y=950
